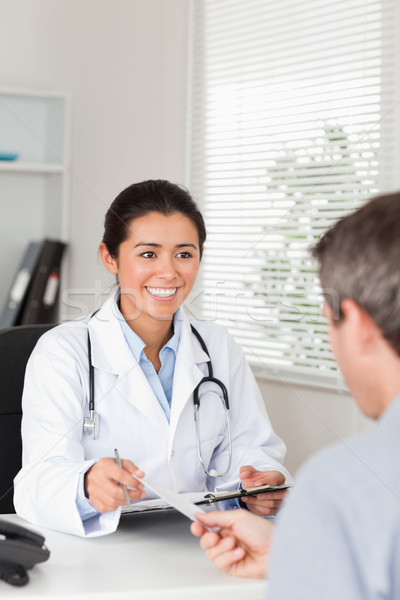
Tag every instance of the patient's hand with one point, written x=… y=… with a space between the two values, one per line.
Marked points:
x=241 y=547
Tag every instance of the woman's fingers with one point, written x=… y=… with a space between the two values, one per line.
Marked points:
x=104 y=480
x=131 y=468
x=266 y=503
x=262 y=504
x=252 y=477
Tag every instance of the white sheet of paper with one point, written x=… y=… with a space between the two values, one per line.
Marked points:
x=179 y=501
x=151 y=504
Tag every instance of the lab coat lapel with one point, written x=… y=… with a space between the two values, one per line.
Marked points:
x=134 y=386
x=111 y=353
x=187 y=372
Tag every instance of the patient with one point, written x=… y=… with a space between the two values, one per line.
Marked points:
x=338 y=535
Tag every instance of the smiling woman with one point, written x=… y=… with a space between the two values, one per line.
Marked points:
x=147 y=360
x=156 y=266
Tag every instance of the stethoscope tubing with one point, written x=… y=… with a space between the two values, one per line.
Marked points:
x=91 y=423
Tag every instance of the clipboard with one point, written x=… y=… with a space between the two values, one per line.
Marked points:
x=212 y=497
x=196 y=498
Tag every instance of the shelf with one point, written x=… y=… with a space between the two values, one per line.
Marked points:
x=32 y=127
x=31 y=167
x=34 y=203
x=30 y=93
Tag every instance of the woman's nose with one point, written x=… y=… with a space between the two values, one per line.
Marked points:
x=167 y=268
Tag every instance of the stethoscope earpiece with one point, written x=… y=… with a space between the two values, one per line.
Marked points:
x=91 y=424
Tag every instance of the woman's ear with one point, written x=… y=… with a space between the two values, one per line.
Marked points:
x=109 y=262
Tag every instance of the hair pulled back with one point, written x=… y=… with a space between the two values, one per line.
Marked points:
x=140 y=199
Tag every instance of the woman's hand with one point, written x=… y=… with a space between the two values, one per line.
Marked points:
x=241 y=547
x=265 y=504
x=103 y=484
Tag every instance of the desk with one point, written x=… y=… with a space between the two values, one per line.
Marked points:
x=151 y=556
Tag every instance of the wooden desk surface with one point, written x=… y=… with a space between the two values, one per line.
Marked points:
x=150 y=557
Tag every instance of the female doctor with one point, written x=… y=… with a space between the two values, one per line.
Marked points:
x=146 y=362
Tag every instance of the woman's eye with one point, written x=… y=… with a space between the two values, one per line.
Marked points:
x=148 y=254
x=184 y=255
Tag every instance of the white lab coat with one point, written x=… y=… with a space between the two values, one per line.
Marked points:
x=55 y=403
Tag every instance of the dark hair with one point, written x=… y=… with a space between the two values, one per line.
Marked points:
x=138 y=200
x=359 y=258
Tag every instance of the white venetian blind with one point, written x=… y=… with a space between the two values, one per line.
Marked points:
x=293 y=107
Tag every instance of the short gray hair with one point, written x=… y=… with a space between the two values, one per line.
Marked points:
x=359 y=258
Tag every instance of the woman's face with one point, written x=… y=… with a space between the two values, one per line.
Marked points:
x=157 y=265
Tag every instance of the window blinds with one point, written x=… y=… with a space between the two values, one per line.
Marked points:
x=292 y=126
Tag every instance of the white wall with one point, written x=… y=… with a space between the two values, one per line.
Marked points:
x=310 y=418
x=123 y=62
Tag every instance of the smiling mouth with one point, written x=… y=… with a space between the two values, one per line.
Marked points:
x=161 y=292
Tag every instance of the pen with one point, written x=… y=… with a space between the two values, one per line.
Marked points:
x=126 y=495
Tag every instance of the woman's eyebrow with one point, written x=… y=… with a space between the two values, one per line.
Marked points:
x=186 y=245
x=154 y=245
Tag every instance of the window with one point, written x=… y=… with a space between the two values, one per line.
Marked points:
x=293 y=117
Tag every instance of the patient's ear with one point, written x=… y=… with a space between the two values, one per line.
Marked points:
x=110 y=263
x=362 y=329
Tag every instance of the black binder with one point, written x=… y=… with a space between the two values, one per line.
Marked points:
x=41 y=303
x=20 y=286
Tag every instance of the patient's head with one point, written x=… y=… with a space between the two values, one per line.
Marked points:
x=359 y=259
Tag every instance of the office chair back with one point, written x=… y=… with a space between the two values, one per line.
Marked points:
x=16 y=345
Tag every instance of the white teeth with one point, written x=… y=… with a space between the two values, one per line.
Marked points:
x=162 y=292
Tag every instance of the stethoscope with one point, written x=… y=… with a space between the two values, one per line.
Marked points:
x=91 y=424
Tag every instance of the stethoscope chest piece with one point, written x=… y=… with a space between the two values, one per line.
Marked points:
x=91 y=425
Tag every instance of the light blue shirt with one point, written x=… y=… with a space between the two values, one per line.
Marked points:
x=161 y=384
x=338 y=535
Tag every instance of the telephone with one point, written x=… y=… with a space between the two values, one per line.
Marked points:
x=20 y=549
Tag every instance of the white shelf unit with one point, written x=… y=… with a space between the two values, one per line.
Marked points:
x=34 y=188
x=29 y=167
